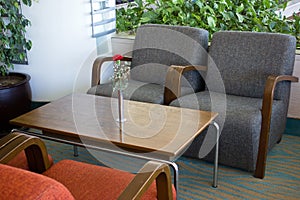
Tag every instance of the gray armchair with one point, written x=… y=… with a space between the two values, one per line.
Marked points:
x=256 y=71
x=157 y=47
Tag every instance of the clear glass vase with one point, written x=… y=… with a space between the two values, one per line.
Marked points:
x=120 y=83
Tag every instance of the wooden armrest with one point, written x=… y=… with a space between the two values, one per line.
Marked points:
x=266 y=120
x=35 y=149
x=96 y=71
x=150 y=172
x=173 y=81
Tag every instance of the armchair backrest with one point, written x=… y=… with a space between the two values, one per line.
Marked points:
x=157 y=47
x=246 y=59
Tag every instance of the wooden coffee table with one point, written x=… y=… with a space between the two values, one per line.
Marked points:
x=151 y=131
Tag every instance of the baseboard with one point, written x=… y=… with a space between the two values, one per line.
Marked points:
x=292 y=126
x=36 y=104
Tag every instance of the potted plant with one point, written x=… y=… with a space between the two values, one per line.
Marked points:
x=243 y=15
x=15 y=92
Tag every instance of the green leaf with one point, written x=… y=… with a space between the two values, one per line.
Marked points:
x=196 y=16
x=240 y=8
x=27 y=2
x=240 y=17
x=199 y=4
x=148 y=17
x=267 y=3
x=211 y=21
x=272 y=25
x=226 y=16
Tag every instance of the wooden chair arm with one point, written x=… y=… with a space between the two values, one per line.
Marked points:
x=266 y=120
x=35 y=149
x=96 y=71
x=173 y=81
x=150 y=172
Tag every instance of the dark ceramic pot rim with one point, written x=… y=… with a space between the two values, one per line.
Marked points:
x=23 y=75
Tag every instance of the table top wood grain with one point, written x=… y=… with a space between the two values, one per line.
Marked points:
x=149 y=128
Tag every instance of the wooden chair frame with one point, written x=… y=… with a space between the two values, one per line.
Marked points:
x=37 y=156
x=173 y=91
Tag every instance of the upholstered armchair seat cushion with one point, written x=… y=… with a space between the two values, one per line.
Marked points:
x=96 y=182
x=240 y=136
x=21 y=184
x=137 y=90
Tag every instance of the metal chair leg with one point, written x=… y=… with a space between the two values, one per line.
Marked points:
x=75 y=148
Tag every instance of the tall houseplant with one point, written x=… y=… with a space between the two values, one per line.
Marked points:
x=13 y=43
x=15 y=92
x=214 y=15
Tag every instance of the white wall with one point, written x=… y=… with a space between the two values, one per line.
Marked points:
x=62 y=48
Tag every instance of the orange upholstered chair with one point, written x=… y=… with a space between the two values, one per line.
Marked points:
x=20 y=184
x=19 y=158
x=69 y=179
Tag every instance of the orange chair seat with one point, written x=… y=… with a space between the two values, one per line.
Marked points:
x=16 y=183
x=86 y=181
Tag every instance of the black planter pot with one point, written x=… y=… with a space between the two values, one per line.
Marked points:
x=15 y=99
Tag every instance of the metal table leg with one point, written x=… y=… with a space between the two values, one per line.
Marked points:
x=215 y=174
x=176 y=174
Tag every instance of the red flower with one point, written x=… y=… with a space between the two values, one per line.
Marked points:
x=117 y=57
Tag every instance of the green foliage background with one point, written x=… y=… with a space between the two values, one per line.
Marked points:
x=214 y=15
x=13 y=43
